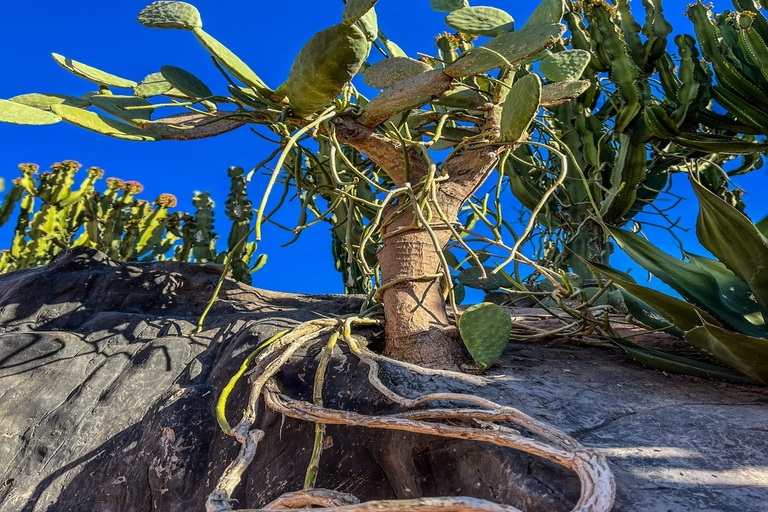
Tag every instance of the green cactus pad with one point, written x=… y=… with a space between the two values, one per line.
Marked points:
x=447 y=5
x=114 y=105
x=520 y=108
x=104 y=125
x=43 y=101
x=231 y=62
x=328 y=61
x=513 y=46
x=558 y=93
x=170 y=15
x=186 y=82
x=356 y=9
x=369 y=24
x=485 y=329
x=245 y=97
x=462 y=98
x=16 y=113
x=152 y=85
x=92 y=74
x=480 y=21
x=386 y=73
x=562 y=66
x=473 y=278
x=548 y=11
x=192 y=125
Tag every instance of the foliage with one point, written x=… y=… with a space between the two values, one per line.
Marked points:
x=53 y=215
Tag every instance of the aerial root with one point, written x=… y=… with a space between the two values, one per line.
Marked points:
x=597 y=483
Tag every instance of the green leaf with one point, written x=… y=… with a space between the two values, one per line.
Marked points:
x=468 y=99
x=744 y=353
x=16 y=113
x=261 y=260
x=647 y=315
x=115 y=106
x=186 y=82
x=152 y=85
x=548 y=11
x=92 y=74
x=447 y=5
x=480 y=21
x=44 y=101
x=733 y=239
x=387 y=72
x=104 y=125
x=718 y=294
x=179 y=15
x=567 y=65
x=473 y=278
x=676 y=364
x=520 y=108
x=558 y=93
x=356 y=9
x=485 y=329
x=515 y=47
x=231 y=62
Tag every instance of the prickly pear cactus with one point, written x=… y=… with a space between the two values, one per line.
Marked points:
x=485 y=329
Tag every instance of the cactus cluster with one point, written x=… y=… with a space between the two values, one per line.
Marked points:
x=54 y=215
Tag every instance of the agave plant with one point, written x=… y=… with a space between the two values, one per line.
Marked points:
x=726 y=299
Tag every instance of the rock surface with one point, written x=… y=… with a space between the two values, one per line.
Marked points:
x=106 y=406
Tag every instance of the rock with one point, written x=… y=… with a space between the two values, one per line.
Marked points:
x=105 y=405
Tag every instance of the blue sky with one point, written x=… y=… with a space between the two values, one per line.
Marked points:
x=107 y=36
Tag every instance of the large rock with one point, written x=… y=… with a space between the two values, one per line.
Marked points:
x=106 y=406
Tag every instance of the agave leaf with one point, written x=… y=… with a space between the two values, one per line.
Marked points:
x=647 y=315
x=733 y=239
x=101 y=124
x=186 y=82
x=480 y=21
x=92 y=74
x=548 y=11
x=387 y=72
x=520 y=108
x=447 y=5
x=485 y=329
x=693 y=281
x=231 y=62
x=671 y=363
x=115 y=105
x=179 y=15
x=558 y=93
x=16 y=113
x=515 y=47
x=44 y=101
x=744 y=353
x=356 y=9
x=683 y=314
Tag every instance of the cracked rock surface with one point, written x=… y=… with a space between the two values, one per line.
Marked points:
x=106 y=406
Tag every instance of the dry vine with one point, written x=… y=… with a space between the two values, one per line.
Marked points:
x=597 y=485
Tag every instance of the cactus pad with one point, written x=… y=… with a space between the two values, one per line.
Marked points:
x=558 y=93
x=44 y=101
x=548 y=11
x=447 y=5
x=485 y=329
x=462 y=98
x=92 y=74
x=170 y=15
x=520 y=108
x=513 y=46
x=16 y=113
x=114 y=105
x=326 y=63
x=386 y=73
x=152 y=85
x=356 y=9
x=192 y=125
x=104 y=125
x=231 y=62
x=369 y=24
x=568 y=65
x=186 y=82
x=480 y=21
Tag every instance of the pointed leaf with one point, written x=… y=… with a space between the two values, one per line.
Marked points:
x=647 y=315
x=671 y=363
x=16 y=113
x=743 y=353
x=44 y=101
x=480 y=21
x=104 y=125
x=92 y=74
x=231 y=62
x=733 y=239
x=520 y=108
x=485 y=329
x=179 y=15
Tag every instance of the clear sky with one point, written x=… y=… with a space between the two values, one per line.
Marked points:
x=266 y=35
